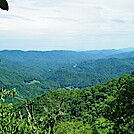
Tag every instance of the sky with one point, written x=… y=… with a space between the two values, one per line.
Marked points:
x=67 y=25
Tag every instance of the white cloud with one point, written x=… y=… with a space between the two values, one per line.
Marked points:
x=69 y=21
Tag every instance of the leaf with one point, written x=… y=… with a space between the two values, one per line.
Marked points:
x=4 y=5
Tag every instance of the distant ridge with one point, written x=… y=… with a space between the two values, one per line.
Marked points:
x=66 y=54
x=129 y=49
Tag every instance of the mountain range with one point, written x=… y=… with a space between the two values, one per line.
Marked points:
x=35 y=72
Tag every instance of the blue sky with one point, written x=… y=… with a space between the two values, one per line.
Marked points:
x=67 y=24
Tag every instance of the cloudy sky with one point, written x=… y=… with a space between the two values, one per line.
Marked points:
x=67 y=24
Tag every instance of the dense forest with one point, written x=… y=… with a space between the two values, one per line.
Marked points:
x=67 y=92
x=101 y=109
x=34 y=72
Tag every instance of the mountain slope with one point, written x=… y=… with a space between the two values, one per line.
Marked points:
x=34 y=72
x=105 y=108
x=89 y=73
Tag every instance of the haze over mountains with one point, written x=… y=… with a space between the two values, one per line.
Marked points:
x=34 y=72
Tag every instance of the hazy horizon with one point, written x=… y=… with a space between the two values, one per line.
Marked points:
x=77 y=25
x=126 y=48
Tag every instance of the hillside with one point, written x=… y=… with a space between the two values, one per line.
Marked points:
x=104 y=108
x=35 y=72
x=122 y=55
x=92 y=72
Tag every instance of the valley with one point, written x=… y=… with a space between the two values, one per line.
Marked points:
x=67 y=92
x=61 y=69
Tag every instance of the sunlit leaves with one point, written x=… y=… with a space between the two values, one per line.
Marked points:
x=106 y=108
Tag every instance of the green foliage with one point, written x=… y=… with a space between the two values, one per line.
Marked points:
x=102 y=126
x=104 y=108
x=121 y=109
x=73 y=128
x=14 y=122
x=59 y=69
x=101 y=109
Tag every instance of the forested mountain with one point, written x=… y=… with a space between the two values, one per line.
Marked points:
x=55 y=55
x=129 y=49
x=102 y=109
x=122 y=55
x=34 y=72
x=74 y=103
x=89 y=73
x=20 y=60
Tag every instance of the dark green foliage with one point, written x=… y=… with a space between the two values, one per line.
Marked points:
x=33 y=72
x=4 y=5
x=75 y=107
x=89 y=73
x=122 y=110
x=106 y=108
x=102 y=109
